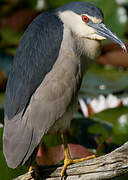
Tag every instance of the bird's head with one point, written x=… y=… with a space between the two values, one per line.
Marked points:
x=86 y=21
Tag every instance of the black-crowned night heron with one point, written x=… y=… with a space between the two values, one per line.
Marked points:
x=55 y=52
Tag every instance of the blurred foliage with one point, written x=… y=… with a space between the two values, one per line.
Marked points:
x=9 y=36
x=5 y=62
x=1 y=99
x=113 y=116
x=102 y=132
x=104 y=80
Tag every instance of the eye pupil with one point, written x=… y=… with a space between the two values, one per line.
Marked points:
x=85 y=18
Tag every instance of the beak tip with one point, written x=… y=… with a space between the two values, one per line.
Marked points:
x=124 y=48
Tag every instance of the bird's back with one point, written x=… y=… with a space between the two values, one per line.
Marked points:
x=35 y=57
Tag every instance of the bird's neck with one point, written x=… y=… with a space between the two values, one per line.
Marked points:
x=83 y=51
x=88 y=48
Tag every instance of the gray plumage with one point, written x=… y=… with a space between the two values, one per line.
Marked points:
x=34 y=59
x=46 y=75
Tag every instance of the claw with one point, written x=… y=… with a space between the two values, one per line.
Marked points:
x=68 y=159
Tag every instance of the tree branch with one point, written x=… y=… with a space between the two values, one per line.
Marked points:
x=104 y=167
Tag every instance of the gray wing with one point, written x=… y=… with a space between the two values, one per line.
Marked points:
x=53 y=100
x=35 y=57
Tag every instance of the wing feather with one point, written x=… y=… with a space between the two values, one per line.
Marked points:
x=37 y=52
x=35 y=57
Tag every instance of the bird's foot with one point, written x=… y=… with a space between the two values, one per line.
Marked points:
x=66 y=163
x=30 y=169
x=70 y=161
x=34 y=171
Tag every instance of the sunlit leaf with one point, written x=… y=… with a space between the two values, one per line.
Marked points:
x=101 y=130
x=110 y=115
x=120 y=129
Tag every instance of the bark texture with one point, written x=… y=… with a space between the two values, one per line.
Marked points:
x=104 y=167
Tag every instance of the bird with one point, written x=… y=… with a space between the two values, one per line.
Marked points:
x=55 y=52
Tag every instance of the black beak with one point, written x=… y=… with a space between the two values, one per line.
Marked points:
x=103 y=31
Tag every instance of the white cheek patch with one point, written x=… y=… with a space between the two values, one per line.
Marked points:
x=75 y=23
x=96 y=36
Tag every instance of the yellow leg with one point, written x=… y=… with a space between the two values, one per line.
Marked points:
x=34 y=170
x=30 y=168
x=68 y=159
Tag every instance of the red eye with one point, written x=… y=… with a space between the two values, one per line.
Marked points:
x=85 y=18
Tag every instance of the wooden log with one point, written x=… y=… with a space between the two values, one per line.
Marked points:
x=104 y=167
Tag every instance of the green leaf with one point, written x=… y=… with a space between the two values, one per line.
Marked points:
x=100 y=129
x=1 y=99
x=52 y=140
x=2 y=115
x=120 y=129
x=10 y=36
x=104 y=80
x=55 y=4
x=110 y=115
x=118 y=119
